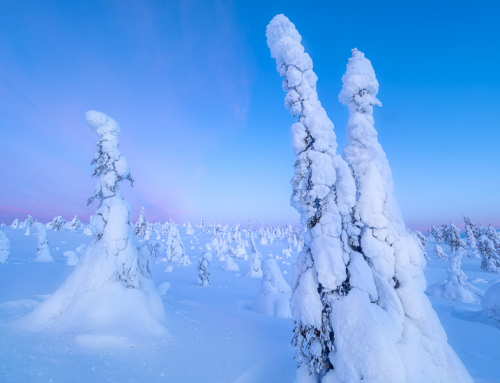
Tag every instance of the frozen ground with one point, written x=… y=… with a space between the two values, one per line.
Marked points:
x=216 y=336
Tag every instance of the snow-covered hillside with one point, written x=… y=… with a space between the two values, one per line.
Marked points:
x=215 y=334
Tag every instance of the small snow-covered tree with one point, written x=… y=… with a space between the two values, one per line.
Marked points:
x=453 y=238
x=57 y=223
x=493 y=236
x=109 y=296
x=43 y=249
x=15 y=224
x=471 y=241
x=175 y=251
x=421 y=240
x=439 y=252
x=29 y=224
x=205 y=259
x=189 y=229
x=141 y=225
x=254 y=268
x=274 y=294
x=436 y=233
x=490 y=258
x=75 y=223
x=80 y=249
x=240 y=251
x=472 y=227
x=455 y=287
x=4 y=247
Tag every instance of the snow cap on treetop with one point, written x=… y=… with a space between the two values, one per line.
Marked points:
x=284 y=42
x=101 y=123
x=359 y=76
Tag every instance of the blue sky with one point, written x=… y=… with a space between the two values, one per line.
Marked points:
x=200 y=103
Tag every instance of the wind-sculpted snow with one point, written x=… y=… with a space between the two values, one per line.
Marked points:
x=109 y=299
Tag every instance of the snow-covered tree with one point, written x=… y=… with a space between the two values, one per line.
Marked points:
x=75 y=223
x=80 y=249
x=323 y=193
x=436 y=233
x=205 y=259
x=57 y=223
x=274 y=294
x=240 y=251
x=439 y=252
x=109 y=296
x=391 y=295
x=29 y=224
x=471 y=241
x=421 y=240
x=254 y=268
x=15 y=224
x=4 y=247
x=493 y=236
x=87 y=231
x=141 y=225
x=490 y=257
x=469 y=225
x=175 y=251
x=43 y=249
x=189 y=229
x=453 y=238
x=455 y=287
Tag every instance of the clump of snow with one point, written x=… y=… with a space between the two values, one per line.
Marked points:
x=230 y=264
x=274 y=293
x=72 y=258
x=4 y=246
x=163 y=287
x=491 y=303
x=455 y=286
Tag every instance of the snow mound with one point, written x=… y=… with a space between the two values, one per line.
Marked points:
x=72 y=258
x=491 y=304
x=230 y=264
x=274 y=294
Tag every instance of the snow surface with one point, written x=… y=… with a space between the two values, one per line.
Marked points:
x=216 y=337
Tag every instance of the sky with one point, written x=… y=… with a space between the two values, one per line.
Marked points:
x=200 y=104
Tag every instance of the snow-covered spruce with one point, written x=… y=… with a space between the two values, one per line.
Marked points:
x=175 y=251
x=274 y=294
x=15 y=224
x=141 y=225
x=109 y=300
x=439 y=251
x=421 y=240
x=452 y=237
x=57 y=223
x=205 y=259
x=455 y=287
x=29 y=224
x=324 y=194
x=490 y=259
x=74 y=224
x=254 y=268
x=189 y=229
x=4 y=247
x=43 y=249
x=470 y=239
x=403 y=331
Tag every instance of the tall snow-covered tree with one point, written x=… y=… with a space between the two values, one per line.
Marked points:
x=493 y=236
x=141 y=225
x=109 y=296
x=43 y=249
x=323 y=193
x=4 y=247
x=472 y=227
x=391 y=295
x=471 y=241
